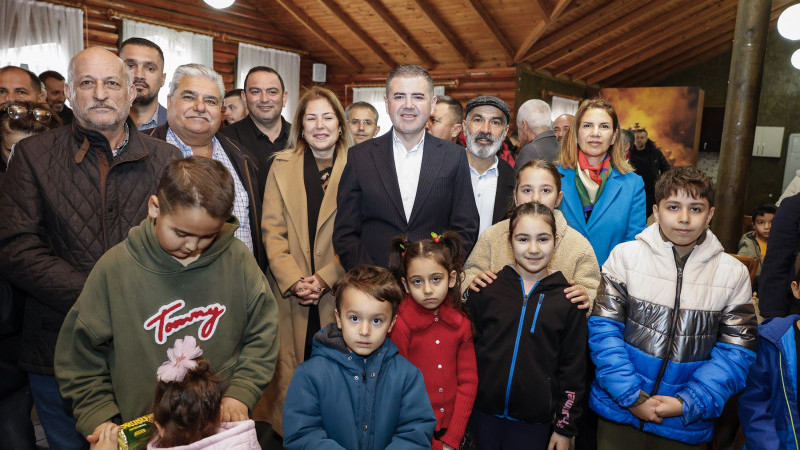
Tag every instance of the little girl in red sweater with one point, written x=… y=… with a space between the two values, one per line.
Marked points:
x=433 y=331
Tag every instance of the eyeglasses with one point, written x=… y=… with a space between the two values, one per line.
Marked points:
x=356 y=122
x=18 y=112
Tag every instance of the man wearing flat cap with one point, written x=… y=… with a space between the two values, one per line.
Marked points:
x=485 y=128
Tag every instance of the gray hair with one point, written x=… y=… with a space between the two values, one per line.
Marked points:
x=196 y=70
x=627 y=135
x=366 y=105
x=536 y=113
x=410 y=71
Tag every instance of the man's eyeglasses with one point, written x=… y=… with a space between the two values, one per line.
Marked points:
x=357 y=122
x=18 y=112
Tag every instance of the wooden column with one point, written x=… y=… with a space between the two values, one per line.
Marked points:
x=741 y=110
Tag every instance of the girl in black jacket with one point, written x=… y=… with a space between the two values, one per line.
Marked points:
x=530 y=342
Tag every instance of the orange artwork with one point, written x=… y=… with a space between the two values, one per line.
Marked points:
x=671 y=116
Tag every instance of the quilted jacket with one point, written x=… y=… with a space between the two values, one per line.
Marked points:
x=65 y=200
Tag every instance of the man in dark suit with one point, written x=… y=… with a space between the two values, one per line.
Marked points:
x=485 y=128
x=405 y=182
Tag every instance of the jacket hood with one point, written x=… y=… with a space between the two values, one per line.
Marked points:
x=774 y=328
x=239 y=435
x=329 y=343
x=709 y=248
x=143 y=246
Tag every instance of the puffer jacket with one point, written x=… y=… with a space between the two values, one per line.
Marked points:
x=688 y=333
x=65 y=201
x=340 y=400
x=768 y=404
x=231 y=436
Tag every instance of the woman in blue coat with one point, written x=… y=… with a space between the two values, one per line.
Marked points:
x=603 y=198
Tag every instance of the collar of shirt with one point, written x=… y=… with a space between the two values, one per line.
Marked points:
x=216 y=152
x=152 y=123
x=491 y=171
x=118 y=150
x=398 y=145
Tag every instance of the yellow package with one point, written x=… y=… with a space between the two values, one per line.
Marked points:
x=135 y=435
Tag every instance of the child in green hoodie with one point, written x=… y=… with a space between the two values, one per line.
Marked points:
x=181 y=271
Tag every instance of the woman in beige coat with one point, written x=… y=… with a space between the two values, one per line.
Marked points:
x=297 y=226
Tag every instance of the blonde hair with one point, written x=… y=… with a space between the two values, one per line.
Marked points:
x=296 y=143
x=568 y=158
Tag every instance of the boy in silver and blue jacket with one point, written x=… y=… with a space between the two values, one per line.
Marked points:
x=673 y=330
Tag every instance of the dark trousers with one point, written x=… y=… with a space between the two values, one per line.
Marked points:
x=494 y=433
x=16 y=427
x=614 y=436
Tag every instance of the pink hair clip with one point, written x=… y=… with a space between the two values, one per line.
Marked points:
x=181 y=360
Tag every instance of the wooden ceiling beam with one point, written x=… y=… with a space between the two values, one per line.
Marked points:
x=632 y=20
x=496 y=31
x=686 y=57
x=676 y=55
x=656 y=47
x=724 y=33
x=458 y=45
x=402 y=33
x=359 y=32
x=538 y=28
x=689 y=61
x=633 y=40
x=588 y=22
x=316 y=30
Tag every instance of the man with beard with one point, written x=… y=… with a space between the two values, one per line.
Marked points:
x=485 y=128
x=145 y=62
x=535 y=131
x=68 y=196
x=404 y=182
x=649 y=163
x=54 y=89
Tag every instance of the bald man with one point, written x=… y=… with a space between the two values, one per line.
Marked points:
x=69 y=196
x=561 y=126
x=17 y=83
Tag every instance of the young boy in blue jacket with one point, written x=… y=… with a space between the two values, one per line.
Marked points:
x=768 y=404
x=673 y=329
x=356 y=391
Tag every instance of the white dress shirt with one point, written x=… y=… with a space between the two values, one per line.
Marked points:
x=484 y=186
x=407 y=163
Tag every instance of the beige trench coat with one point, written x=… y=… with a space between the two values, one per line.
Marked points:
x=284 y=227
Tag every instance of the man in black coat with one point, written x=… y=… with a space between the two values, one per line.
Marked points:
x=485 y=128
x=649 y=163
x=193 y=120
x=405 y=182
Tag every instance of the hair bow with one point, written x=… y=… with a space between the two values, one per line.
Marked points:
x=181 y=360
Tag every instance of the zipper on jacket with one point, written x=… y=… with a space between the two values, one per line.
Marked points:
x=786 y=396
x=670 y=335
x=536 y=314
x=516 y=342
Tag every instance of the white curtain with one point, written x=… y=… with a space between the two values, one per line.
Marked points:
x=287 y=64
x=39 y=36
x=561 y=105
x=179 y=47
x=377 y=98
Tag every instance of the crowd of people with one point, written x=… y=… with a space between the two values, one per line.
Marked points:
x=315 y=285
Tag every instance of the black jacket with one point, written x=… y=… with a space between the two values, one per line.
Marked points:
x=242 y=160
x=542 y=337
x=649 y=163
x=777 y=273
x=64 y=202
x=247 y=133
x=504 y=195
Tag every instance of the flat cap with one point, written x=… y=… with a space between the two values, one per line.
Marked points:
x=491 y=101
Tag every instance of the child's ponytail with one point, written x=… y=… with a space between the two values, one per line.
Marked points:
x=397 y=256
x=186 y=404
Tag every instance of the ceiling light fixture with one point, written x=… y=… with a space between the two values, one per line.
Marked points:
x=219 y=4
x=796 y=59
x=789 y=23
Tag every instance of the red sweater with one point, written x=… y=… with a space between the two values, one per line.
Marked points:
x=441 y=346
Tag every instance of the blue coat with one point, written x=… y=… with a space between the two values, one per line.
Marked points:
x=339 y=400
x=618 y=215
x=768 y=404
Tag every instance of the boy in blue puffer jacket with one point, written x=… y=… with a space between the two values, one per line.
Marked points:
x=768 y=404
x=356 y=391
x=673 y=329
